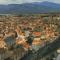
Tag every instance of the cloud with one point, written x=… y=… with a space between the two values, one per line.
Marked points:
x=18 y=1
x=24 y=1
x=56 y=1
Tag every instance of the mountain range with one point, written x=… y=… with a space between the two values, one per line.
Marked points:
x=35 y=7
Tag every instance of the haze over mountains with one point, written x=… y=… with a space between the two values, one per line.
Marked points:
x=35 y=7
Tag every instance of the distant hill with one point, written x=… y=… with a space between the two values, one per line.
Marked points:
x=35 y=7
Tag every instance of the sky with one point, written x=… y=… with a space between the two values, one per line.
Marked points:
x=25 y=1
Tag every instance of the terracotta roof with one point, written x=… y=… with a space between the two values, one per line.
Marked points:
x=37 y=33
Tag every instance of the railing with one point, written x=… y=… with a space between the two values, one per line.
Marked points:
x=44 y=51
